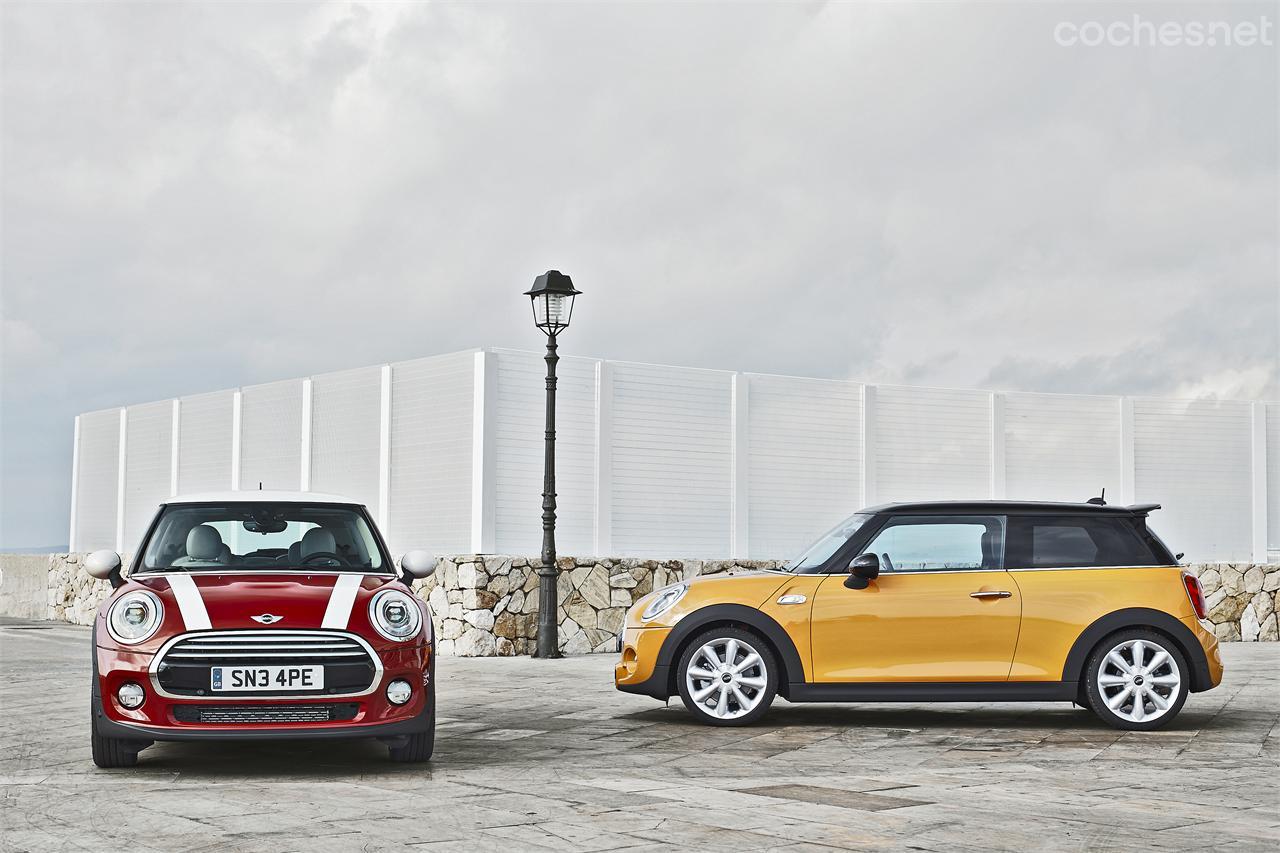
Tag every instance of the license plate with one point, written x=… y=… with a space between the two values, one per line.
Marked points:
x=267 y=679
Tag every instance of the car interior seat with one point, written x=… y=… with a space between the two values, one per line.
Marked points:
x=204 y=548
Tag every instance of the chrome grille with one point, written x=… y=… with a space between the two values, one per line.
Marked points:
x=183 y=667
x=229 y=647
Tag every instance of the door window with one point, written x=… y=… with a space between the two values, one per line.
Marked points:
x=939 y=543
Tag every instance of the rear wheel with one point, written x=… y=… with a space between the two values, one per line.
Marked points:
x=727 y=677
x=1136 y=679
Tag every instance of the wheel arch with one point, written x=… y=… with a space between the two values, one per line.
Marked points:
x=737 y=615
x=1139 y=617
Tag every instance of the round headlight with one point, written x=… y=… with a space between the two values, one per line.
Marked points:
x=664 y=601
x=135 y=616
x=395 y=615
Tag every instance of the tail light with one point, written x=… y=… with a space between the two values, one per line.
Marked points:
x=1195 y=593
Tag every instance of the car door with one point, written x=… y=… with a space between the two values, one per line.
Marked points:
x=942 y=609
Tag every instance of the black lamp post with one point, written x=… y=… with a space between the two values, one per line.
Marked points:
x=552 y=296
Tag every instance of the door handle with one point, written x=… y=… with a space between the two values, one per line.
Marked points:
x=990 y=593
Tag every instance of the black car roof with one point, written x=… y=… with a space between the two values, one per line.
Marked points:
x=1008 y=508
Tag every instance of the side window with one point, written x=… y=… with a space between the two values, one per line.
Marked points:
x=1046 y=542
x=939 y=543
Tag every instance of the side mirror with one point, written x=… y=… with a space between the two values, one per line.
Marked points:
x=104 y=565
x=418 y=564
x=862 y=570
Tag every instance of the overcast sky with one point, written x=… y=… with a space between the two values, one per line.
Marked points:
x=204 y=196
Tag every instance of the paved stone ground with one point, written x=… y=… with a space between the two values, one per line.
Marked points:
x=535 y=755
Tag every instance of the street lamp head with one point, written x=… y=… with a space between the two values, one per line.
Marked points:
x=552 y=297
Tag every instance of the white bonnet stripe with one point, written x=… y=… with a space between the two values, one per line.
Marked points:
x=190 y=604
x=341 y=600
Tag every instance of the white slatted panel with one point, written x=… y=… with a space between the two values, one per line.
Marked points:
x=96 y=491
x=1194 y=458
x=932 y=444
x=346 y=419
x=431 y=422
x=204 y=442
x=1273 y=477
x=518 y=447
x=1060 y=447
x=805 y=460
x=271 y=435
x=147 y=464
x=670 y=460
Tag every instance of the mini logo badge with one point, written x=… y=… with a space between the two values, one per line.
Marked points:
x=266 y=619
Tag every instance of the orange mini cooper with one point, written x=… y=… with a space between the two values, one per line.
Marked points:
x=954 y=602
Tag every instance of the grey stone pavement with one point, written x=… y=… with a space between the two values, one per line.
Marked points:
x=546 y=755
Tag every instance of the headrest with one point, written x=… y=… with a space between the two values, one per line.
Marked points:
x=204 y=543
x=317 y=540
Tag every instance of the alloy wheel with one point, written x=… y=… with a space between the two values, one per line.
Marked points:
x=1139 y=680
x=726 y=678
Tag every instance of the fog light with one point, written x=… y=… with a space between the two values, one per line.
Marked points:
x=130 y=695
x=399 y=691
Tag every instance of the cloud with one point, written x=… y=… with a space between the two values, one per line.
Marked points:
x=199 y=196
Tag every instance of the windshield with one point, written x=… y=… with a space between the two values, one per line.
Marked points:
x=253 y=536
x=817 y=554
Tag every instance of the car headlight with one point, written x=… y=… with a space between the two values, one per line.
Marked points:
x=395 y=615
x=134 y=617
x=664 y=601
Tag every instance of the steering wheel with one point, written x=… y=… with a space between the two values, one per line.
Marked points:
x=322 y=555
x=885 y=563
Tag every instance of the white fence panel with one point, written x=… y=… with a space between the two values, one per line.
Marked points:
x=804 y=469
x=1061 y=447
x=148 y=462
x=346 y=424
x=204 y=442
x=271 y=435
x=518 y=448
x=98 y=480
x=671 y=461
x=431 y=431
x=1273 y=477
x=931 y=444
x=1193 y=458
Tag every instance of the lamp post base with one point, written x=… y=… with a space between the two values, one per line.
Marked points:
x=548 y=645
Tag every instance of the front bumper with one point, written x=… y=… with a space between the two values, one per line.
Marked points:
x=637 y=670
x=163 y=717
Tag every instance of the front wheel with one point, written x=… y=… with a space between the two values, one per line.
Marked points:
x=1136 y=679
x=727 y=677
x=420 y=745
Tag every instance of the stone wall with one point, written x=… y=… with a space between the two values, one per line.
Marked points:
x=488 y=605
x=1243 y=600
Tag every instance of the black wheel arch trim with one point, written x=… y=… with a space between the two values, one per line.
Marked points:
x=1139 y=617
x=698 y=620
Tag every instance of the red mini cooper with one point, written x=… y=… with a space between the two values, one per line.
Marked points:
x=262 y=615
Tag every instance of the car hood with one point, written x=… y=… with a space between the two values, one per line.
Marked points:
x=279 y=600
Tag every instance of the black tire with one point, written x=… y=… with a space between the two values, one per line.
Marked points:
x=766 y=669
x=418 y=747
x=111 y=752
x=1102 y=697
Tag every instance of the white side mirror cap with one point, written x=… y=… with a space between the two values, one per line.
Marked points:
x=102 y=564
x=418 y=564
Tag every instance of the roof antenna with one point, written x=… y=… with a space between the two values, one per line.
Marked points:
x=1101 y=500
x=260 y=485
